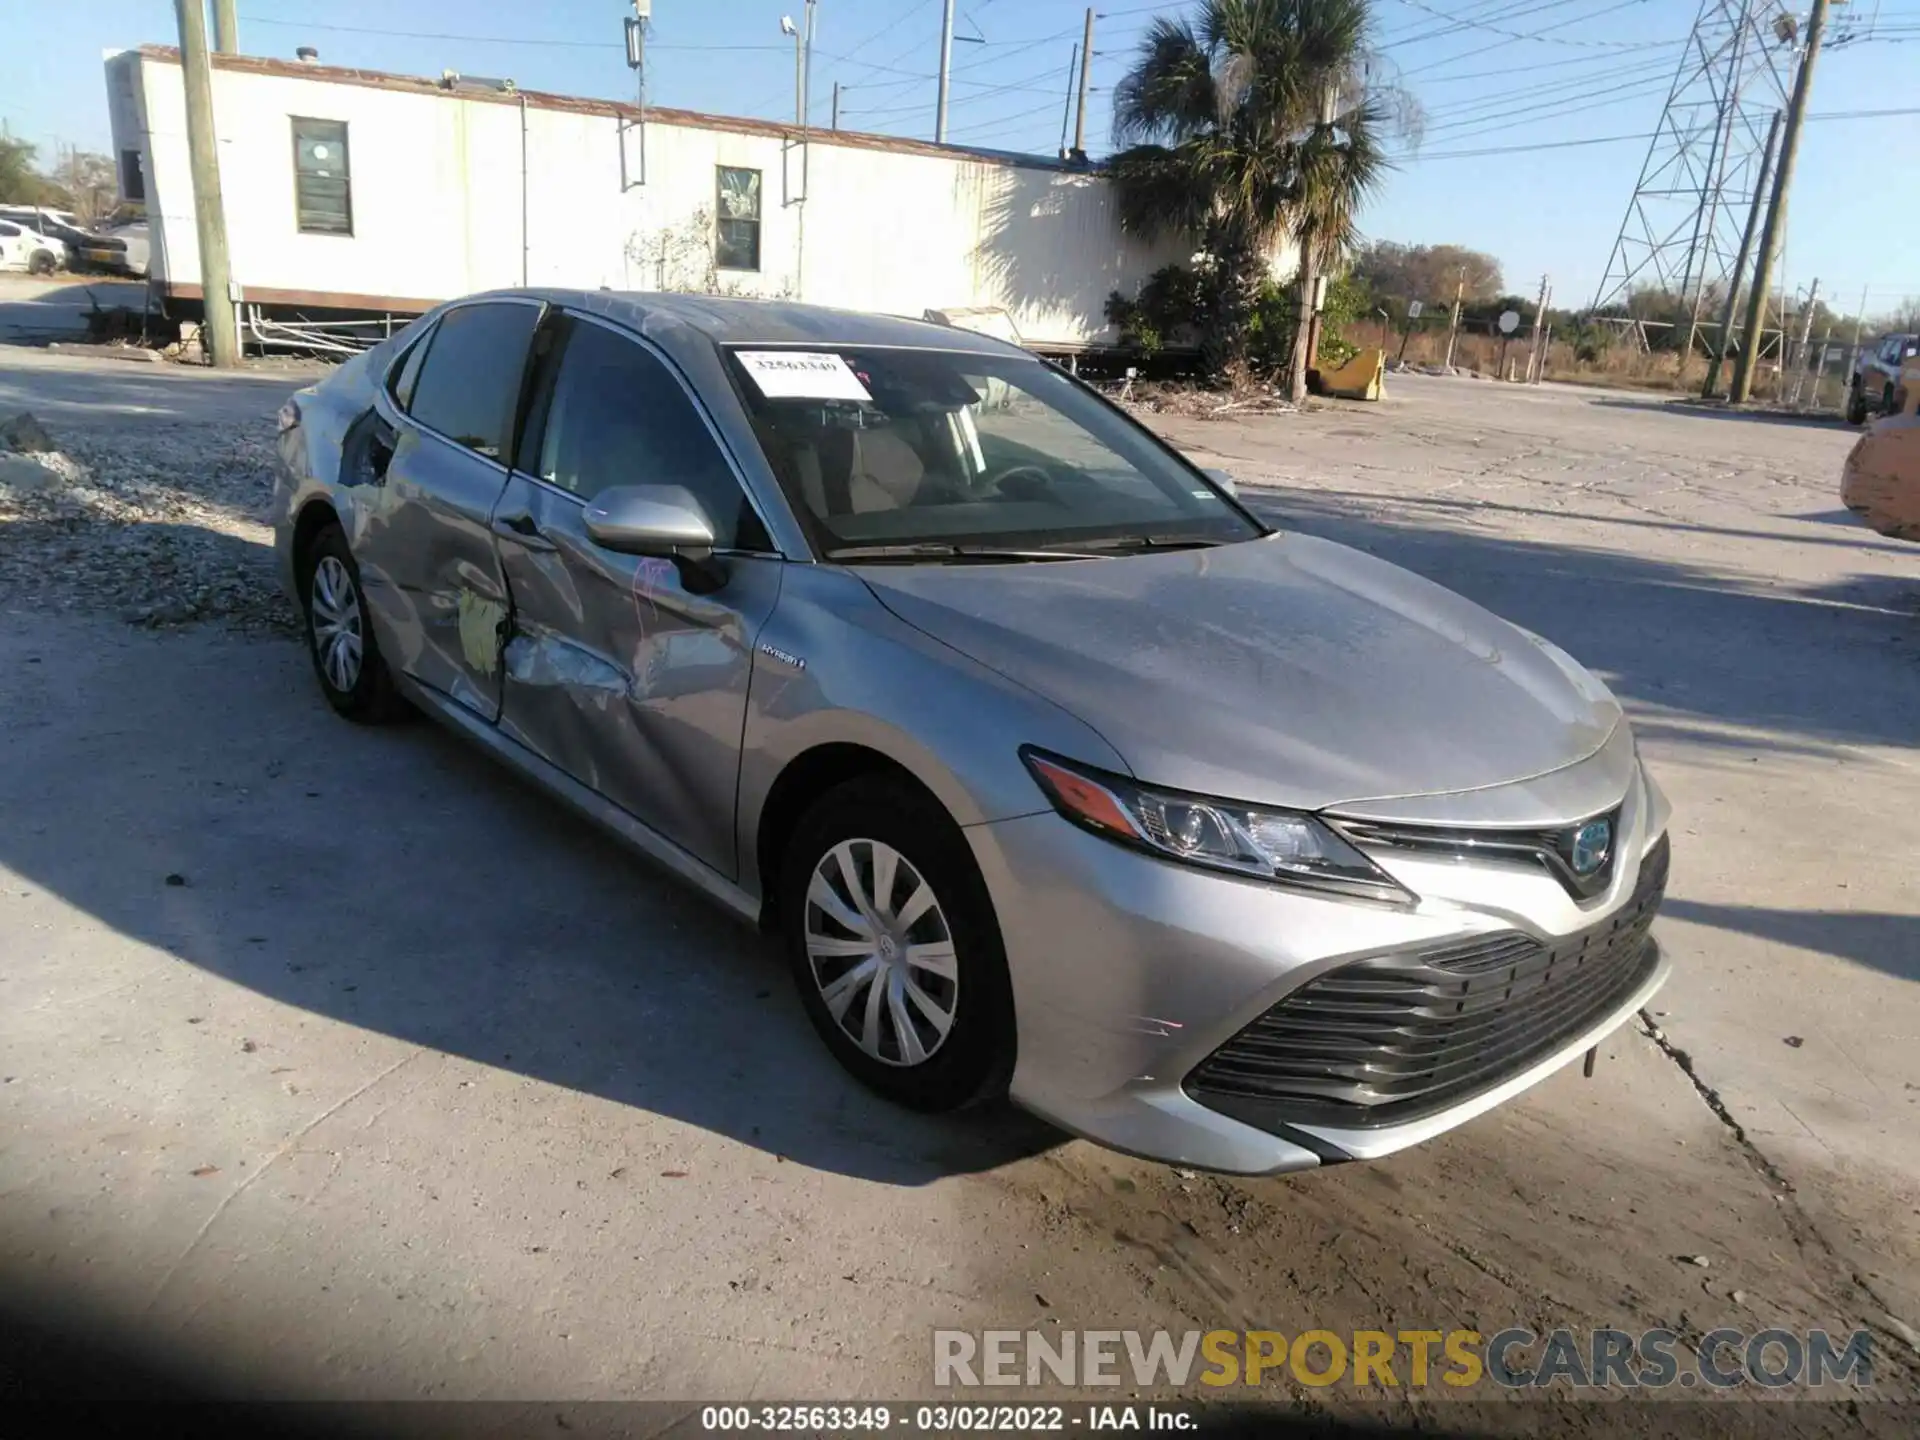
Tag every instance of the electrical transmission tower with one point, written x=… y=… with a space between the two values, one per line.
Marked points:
x=1682 y=228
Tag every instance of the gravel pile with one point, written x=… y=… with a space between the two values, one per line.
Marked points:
x=162 y=525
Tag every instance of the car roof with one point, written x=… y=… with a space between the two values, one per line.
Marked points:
x=672 y=320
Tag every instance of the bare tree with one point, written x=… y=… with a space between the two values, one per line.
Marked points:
x=91 y=185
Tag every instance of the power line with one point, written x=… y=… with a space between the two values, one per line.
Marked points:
x=888 y=29
x=1505 y=70
x=485 y=39
x=1622 y=139
x=1552 y=109
x=1002 y=122
x=1456 y=23
x=1543 y=35
x=1579 y=86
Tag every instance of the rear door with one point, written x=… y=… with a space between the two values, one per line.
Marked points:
x=426 y=554
x=615 y=672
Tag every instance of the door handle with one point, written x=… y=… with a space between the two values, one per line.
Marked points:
x=521 y=528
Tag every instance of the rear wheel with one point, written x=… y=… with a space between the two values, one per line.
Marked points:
x=894 y=946
x=346 y=659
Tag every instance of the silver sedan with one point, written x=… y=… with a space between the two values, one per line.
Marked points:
x=1058 y=772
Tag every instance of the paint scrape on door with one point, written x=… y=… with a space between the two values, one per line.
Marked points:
x=480 y=625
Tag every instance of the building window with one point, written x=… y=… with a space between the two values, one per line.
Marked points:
x=133 y=182
x=737 y=239
x=322 y=187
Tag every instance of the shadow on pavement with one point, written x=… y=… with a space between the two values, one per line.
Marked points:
x=396 y=880
x=1888 y=943
x=35 y=311
x=1707 y=410
x=124 y=391
x=1838 y=664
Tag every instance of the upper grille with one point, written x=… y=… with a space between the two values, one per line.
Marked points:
x=1399 y=1037
x=1551 y=849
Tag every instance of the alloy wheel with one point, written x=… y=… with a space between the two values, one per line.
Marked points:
x=337 y=639
x=881 y=952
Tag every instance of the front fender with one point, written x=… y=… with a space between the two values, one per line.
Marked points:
x=836 y=667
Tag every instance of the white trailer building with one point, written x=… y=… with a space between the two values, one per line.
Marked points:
x=359 y=191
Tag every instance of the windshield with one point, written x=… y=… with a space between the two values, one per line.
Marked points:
x=897 y=448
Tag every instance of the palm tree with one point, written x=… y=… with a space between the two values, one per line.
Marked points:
x=1239 y=138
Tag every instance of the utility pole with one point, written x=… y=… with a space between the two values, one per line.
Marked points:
x=800 y=76
x=1859 y=327
x=1740 y=261
x=835 y=122
x=806 y=70
x=946 y=70
x=1080 y=114
x=1806 y=331
x=218 y=328
x=1306 y=335
x=1539 y=324
x=1453 y=330
x=1820 y=364
x=226 y=28
x=1066 y=109
x=1770 y=236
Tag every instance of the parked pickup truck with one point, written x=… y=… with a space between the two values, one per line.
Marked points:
x=1876 y=376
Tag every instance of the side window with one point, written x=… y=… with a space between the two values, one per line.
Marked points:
x=322 y=186
x=133 y=180
x=401 y=382
x=468 y=385
x=736 y=240
x=619 y=417
x=9 y=231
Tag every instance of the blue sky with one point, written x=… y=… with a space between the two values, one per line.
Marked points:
x=1590 y=68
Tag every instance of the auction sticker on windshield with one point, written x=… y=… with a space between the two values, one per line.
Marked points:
x=802 y=375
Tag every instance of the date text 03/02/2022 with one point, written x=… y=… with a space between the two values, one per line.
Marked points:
x=943 y=1417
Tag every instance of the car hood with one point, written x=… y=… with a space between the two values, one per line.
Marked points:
x=1289 y=671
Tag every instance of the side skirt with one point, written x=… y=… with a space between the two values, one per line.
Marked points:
x=645 y=840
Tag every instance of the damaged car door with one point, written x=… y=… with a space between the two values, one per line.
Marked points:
x=618 y=670
x=427 y=554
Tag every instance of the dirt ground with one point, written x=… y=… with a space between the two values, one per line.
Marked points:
x=333 y=1063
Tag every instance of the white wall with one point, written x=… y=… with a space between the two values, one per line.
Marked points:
x=437 y=206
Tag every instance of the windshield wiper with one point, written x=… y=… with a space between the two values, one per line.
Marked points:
x=937 y=550
x=1124 y=543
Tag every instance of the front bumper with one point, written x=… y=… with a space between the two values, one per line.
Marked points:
x=1129 y=972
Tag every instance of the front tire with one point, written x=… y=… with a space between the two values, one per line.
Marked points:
x=894 y=946
x=40 y=264
x=1856 y=404
x=346 y=658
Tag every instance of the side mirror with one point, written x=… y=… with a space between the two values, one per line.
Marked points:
x=664 y=521
x=1224 y=480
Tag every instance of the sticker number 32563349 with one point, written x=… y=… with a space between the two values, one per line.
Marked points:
x=802 y=375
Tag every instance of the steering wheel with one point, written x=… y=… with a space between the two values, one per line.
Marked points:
x=1029 y=482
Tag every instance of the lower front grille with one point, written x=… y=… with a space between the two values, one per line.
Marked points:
x=1399 y=1037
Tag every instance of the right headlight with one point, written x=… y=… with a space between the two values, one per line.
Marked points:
x=1287 y=847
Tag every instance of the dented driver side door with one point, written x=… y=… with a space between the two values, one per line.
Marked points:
x=424 y=544
x=614 y=671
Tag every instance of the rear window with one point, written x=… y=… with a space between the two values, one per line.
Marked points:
x=469 y=383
